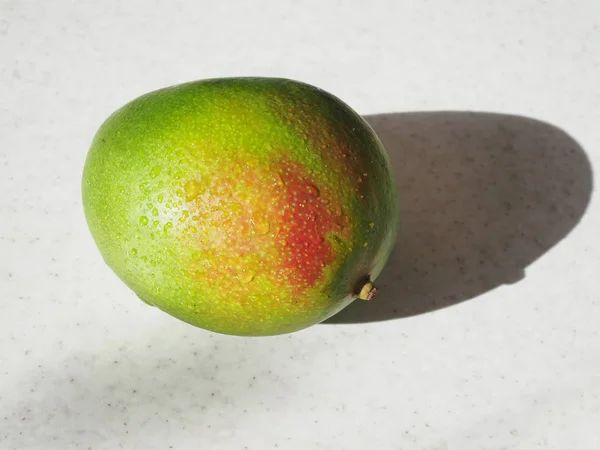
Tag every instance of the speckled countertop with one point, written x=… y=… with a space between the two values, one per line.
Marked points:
x=485 y=333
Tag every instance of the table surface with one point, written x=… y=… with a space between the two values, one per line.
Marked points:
x=485 y=333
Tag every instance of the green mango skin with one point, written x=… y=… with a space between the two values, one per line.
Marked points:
x=245 y=206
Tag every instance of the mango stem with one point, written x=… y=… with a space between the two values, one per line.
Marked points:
x=368 y=291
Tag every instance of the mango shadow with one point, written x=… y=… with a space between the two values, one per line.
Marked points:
x=482 y=197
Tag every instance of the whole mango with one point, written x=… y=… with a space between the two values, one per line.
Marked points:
x=246 y=206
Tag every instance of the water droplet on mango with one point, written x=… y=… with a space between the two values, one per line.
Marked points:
x=261 y=225
x=143 y=220
x=192 y=189
x=155 y=172
x=247 y=277
x=316 y=240
x=167 y=227
x=279 y=179
x=155 y=212
x=312 y=190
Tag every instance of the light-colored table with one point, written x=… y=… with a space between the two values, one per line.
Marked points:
x=485 y=334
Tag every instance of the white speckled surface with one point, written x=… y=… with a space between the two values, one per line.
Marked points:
x=485 y=334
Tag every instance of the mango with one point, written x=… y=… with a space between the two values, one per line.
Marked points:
x=244 y=206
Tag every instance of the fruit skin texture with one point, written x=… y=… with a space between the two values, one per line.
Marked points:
x=246 y=206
